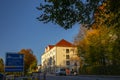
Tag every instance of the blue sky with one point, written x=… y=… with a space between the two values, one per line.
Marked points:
x=19 y=28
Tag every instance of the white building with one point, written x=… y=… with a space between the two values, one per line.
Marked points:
x=61 y=55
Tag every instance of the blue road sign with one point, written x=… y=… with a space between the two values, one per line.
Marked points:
x=14 y=62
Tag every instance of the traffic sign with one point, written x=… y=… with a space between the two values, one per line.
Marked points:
x=14 y=62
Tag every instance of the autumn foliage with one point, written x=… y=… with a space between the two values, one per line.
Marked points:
x=30 y=61
x=1 y=65
x=100 y=46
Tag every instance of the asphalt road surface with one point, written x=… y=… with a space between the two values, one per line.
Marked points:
x=79 y=77
x=86 y=77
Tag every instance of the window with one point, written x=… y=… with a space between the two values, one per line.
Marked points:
x=67 y=50
x=50 y=61
x=67 y=62
x=67 y=57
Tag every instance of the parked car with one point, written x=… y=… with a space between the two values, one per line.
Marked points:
x=60 y=71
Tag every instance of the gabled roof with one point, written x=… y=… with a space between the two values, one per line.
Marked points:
x=61 y=43
x=64 y=43
x=50 y=46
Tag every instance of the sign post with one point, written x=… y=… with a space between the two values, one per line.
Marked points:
x=14 y=62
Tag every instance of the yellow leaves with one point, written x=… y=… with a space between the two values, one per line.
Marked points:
x=102 y=7
x=1 y=65
x=29 y=58
x=83 y=44
x=92 y=32
x=95 y=37
x=75 y=58
x=92 y=37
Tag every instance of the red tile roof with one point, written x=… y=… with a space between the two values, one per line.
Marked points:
x=61 y=43
x=50 y=46
x=64 y=43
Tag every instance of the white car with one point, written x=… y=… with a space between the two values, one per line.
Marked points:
x=61 y=71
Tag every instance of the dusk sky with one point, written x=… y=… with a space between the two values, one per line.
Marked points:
x=19 y=28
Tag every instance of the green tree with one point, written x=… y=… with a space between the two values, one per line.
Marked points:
x=108 y=14
x=1 y=65
x=30 y=61
x=68 y=12
x=96 y=48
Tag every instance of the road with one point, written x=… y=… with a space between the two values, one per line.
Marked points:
x=86 y=77
x=79 y=77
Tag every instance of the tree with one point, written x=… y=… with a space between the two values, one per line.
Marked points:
x=96 y=48
x=1 y=65
x=99 y=41
x=30 y=61
x=81 y=34
x=68 y=12
x=108 y=14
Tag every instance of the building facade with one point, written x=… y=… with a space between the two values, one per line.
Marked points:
x=61 y=55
